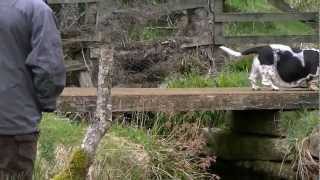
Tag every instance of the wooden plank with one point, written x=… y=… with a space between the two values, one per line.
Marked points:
x=267 y=39
x=179 y=5
x=201 y=99
x=85 y=79
x=282 y=5
x=79 y=40
x=73 y=65
x=71 y=1
x=218 y=6
x=163 y=9
x=218 y=27
x=261 y=17
x=250 y=39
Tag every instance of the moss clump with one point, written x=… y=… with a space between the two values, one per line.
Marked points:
x=76 y=170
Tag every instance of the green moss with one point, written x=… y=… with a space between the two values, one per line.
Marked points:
x=76 y=170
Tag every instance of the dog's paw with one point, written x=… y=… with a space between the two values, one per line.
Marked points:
x=256 y=88
x=313 y=87
x=275 y=88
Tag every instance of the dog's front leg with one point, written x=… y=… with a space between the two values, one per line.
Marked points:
x=266 y=81
x=255 y=74
x=313 y=85
x=268 y=76
x=274 y=87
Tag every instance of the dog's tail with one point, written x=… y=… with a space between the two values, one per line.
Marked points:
x=255 y=50
x=232 y=52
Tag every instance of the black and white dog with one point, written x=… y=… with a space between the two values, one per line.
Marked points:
x=282 y=66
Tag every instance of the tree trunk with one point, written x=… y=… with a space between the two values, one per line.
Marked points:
x=83 y=158
x=103 y=116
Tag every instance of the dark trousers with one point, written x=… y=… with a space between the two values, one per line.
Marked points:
x=17 y=155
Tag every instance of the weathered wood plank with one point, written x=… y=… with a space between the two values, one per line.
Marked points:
x=294 y=39
x=178 y=5
x=96 y=37
x=162 y=9
x=85 y=79
x=282 y=5
x=218 y=27
x=262 y=17
x=220 y=39
x=75 y=66
x=71 y=1
x=177 y=100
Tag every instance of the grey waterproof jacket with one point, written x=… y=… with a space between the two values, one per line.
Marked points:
x=32 y=73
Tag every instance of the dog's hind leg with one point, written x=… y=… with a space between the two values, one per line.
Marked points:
x=255 y=74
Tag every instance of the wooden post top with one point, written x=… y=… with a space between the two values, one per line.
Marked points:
x=194 y=99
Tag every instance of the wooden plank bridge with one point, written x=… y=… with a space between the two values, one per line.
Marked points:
x=196 y=99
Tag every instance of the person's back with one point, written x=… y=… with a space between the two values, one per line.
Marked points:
x=32 y=75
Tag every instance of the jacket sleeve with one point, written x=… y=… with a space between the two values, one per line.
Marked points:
x=45 y=60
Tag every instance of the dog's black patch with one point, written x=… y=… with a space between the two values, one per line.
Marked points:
x=296 y=50
x=290 y=68
x=311 y=58
x=265 y=54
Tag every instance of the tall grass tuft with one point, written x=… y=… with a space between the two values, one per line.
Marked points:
x=300 y=125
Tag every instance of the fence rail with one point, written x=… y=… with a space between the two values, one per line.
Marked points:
x=263 y=17
x=220 y=18
x=71 y=1
x=293 y=39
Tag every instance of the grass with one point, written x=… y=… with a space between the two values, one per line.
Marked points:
x=57 y=131
x=305 y=5
x=126 y=152
x=190 y=80
x=250 y=5
x=234 y=74
x=299 y=124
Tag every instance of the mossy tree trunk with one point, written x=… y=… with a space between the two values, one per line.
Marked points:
x=83 y=158
x=103 y=115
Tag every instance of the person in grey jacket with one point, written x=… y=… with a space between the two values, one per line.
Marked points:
x=32 y=76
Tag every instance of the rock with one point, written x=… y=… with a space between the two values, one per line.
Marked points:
x=232 y=146
x=262 y=170
x=257 y=122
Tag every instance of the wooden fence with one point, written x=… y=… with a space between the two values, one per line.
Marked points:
x=220 y=18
